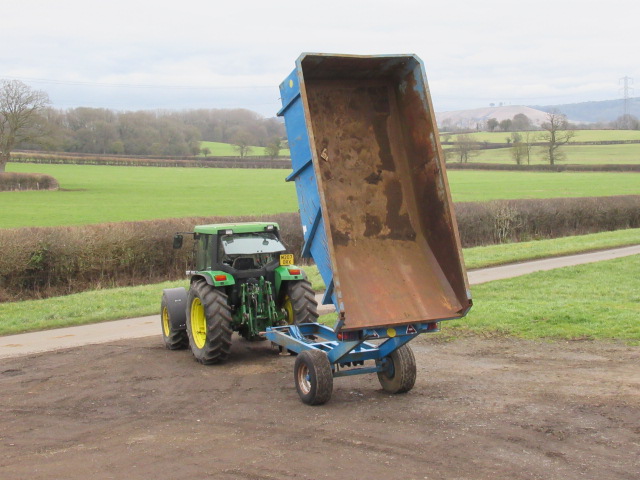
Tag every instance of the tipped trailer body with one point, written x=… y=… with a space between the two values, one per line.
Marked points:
x=377 y=217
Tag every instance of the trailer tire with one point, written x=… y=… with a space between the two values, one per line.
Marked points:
x=400 y=374
x=174 y=338
x=300 y=303
x=208 y=323
x=313 y=377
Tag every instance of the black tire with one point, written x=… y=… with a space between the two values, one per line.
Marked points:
x=174 y=338
x=208 y=323
x=313 y=377
x=300 y=303
x=400 y=375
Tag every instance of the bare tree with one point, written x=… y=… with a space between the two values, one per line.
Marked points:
x=20 y=116
x=626 y=122
x=273 y=147
x=242 y=143
x=518 y=148
x=528 y=140
x=556 y=134
x=464 y=147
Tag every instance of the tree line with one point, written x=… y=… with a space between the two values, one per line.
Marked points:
x=28 y=121
x=171 y=133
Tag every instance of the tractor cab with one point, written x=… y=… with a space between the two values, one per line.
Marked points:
x=244 y=280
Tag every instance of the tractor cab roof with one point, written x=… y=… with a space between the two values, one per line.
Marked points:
x=248 y=227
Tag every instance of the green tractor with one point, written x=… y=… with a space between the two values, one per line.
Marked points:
x=244 y=281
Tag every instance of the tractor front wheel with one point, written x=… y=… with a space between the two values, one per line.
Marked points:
x=313 y=377
x=208 y=323
x=300 y=303
x=399 y=374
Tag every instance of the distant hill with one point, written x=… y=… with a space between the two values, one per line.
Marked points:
x=586 y=112
x=471 y=118
x=602 y=111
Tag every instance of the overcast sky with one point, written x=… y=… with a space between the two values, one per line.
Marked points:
x=139 y=54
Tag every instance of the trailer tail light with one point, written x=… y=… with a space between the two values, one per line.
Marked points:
x=348 y=336
x=220 y=278
x=295 y=271
x=433 y=326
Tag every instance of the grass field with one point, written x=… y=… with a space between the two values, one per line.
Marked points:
x=581 y=136
x=547 y=304
x=575 y=154
x=113 y=304
x=97 y=194
x=472 y=186
x=219 y=149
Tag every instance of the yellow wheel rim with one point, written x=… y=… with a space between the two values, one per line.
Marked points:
x=288 y=307
x=165 y=322
x=198 y=323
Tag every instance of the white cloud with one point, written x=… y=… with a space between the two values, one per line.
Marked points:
x=474 y=52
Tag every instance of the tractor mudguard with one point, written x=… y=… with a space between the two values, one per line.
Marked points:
x=177 y=305
x=283 y=273
x=215 y=278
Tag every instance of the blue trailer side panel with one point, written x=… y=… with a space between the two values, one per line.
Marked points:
x=315 y=240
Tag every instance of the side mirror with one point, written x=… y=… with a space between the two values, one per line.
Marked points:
x=177 y=241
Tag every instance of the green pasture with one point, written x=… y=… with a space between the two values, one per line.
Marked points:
x=97 y=194
x=113 y=304
x=474 y=186
x=587 y=302
x=219 y=149
x=581 y=136
x=575 y=154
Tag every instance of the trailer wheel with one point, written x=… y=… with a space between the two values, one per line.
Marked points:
x=173 y=318
x=313 y=377
x=399 y=376
x=300 y=303
x=208 y=323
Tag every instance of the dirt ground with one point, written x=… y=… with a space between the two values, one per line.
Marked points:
x=481 y=409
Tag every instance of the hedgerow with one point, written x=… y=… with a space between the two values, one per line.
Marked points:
x=486 y=223
x=42 y=262
x=12 y=181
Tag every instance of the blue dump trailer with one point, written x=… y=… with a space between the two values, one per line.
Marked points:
x=377 y=218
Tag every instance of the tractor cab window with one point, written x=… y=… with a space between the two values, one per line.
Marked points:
x=203 y=252
x=248 y=251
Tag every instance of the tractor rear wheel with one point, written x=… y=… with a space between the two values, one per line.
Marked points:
x=300 y=303
x=399 y=376
x=208 y=323
x=313 y=377
x=174 y=338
